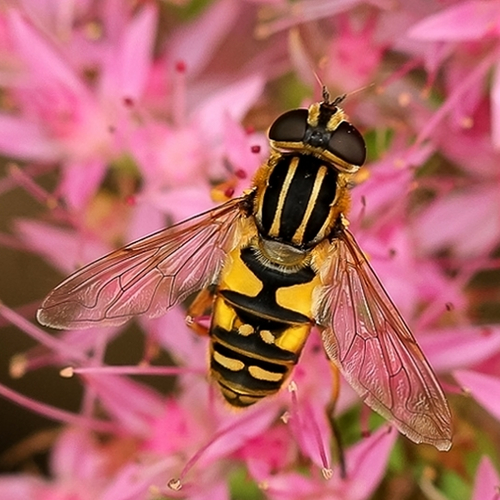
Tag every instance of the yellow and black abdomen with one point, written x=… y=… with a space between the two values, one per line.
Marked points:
x=261 y=320
x=263 y=309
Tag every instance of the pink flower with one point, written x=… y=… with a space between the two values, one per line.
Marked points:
x=143 y=115
x=481 y=387
x=472 y=26
x=365 y=466
x=487 y=481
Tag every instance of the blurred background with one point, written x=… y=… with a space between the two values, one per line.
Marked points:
x=120 y=117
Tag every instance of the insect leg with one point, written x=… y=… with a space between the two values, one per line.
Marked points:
x=333 y=423
x=199 y=309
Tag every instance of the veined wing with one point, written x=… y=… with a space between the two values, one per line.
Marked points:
x=365 y=335
x=148 y=276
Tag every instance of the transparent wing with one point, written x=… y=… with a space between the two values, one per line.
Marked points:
x=366 y=337
x=148 y=276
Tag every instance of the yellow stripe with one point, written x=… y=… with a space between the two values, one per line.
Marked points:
x=318 y=182
x=275 y=227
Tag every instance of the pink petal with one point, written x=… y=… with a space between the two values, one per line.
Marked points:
x=75 y=456
x=487 y=481
x=292 y=486
x=53 y=17
x=312 y=431
x=21 y=487
x=129 y=64
x=146 y=218
x=171 y=331
x=132 y=404
x=173 y=431
x=483 y=388
x=366 y=463
x=183 y=202
x=43 y=59
x=280 y=452
x=22 y=139
x=468 y=232
x=234 y=100
x=241 y=428
x=460 y=347
x=65 y=249
x=195 y=44
x=238 y=150
x=81 y=180
x=495 y=107
x=465 y=21
x=216 y=490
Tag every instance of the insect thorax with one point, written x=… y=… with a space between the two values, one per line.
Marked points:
x=298 y=199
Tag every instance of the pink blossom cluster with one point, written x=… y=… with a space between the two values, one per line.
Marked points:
x=169 y=102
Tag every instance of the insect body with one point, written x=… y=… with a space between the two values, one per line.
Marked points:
x=280 y=260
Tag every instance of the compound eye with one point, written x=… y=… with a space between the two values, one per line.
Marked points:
x=289 y=127
x=348 y=144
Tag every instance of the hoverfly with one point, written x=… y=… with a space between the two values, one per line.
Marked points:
x=271 y=264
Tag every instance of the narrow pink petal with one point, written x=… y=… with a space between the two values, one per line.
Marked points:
x=495 y=107
x=466 y=21
x=135 y=52
x=487 y=481
x=235 y=430
x=54 y=413
x=65 y=249
x=217 y=490
x=56 y=18
x=366 y=463
x=482 y=388
x=74 y=456
x=21 y=487
x=171 y=331
x=234 y=100
x=460 y=347
x=183 y=202
x=146 y=218
x=80 y=181
x=195 y=44
x=312 y=432
x=294 y=486
x=439 y=227
x=132 y=404
x=43 y=59
x=22 y=139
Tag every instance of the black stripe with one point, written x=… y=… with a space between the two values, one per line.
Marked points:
x=272 y=194
x=253 y=344
x=297 y=198
x=248 y=360
x=243 y=377
x=321 y=210
x=264 y=303
x=242 y=399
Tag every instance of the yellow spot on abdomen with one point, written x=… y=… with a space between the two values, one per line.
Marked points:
x=246 y=330
x=261 y=374
x=235 y=365
x=267 y=336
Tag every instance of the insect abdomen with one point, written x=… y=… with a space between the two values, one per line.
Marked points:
x=261 y=320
